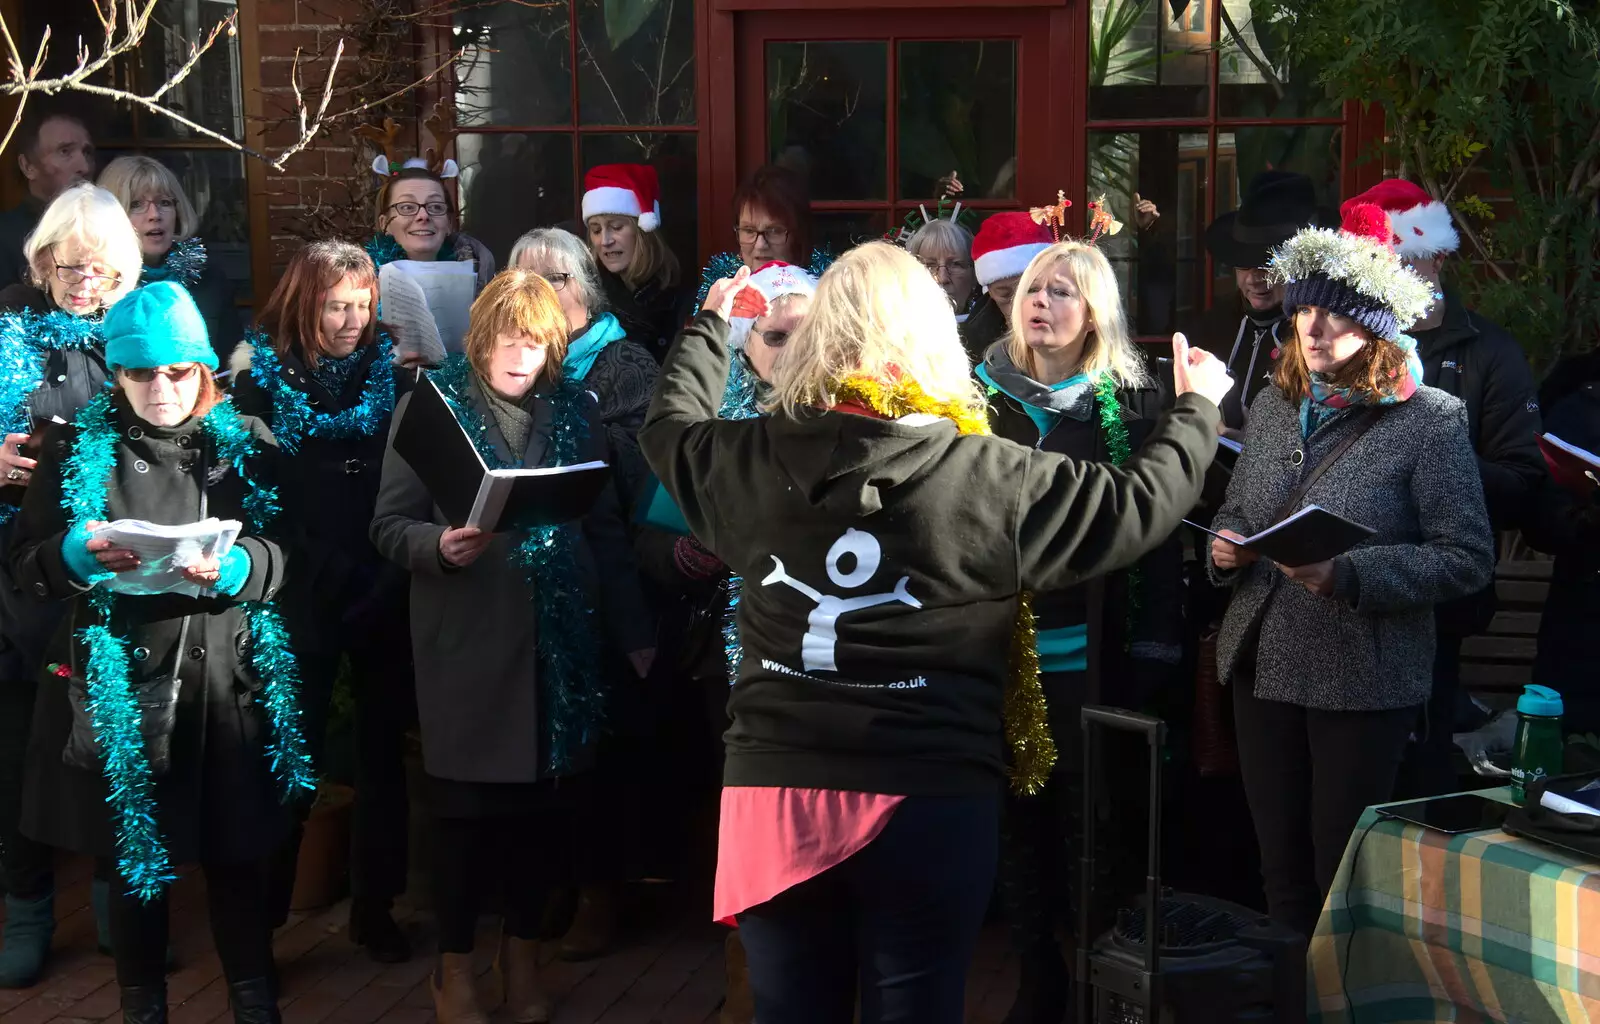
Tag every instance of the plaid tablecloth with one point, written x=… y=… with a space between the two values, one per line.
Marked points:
x=1422 y=926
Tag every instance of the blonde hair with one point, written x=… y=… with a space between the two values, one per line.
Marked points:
x=1108 y=348
x=941 y=233
x=131 y=177
x=879 y=314
x=652 y=260
x=91 y=216
x=517 y=300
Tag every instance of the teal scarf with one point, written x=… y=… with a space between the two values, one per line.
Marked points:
x=583 y=350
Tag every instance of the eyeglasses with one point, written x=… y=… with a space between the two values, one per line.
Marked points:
x=948 y=266
x=557 y=281
x=775 y=235
x=74 y=276
x=774 y=339
x=139 y=206
x=437 y=208
x=174 y=374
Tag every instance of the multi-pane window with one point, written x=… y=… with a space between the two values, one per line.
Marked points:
x=212 y=174
x=1189 y=100
x=550 y=89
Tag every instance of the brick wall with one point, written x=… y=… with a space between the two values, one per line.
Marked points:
x=323 y=176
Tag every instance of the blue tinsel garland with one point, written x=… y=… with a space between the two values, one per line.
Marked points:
x=293 y=419
x=726 y=264
x=574 y=694
x=142 y=857
x=184 y=263
x=25 y=340
x=383 y=248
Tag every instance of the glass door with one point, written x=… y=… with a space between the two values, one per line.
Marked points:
x=874 y=108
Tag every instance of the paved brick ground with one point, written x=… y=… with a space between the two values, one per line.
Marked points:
x=669 y=972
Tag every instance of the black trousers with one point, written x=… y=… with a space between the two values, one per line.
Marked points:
x=1429 y=765
x=385 y=706
x=26 y=867
x=1308 y=775
x=527 y=853
x=900 y=919
x=236 y=896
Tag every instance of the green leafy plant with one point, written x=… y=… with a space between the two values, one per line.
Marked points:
x=1494 y=107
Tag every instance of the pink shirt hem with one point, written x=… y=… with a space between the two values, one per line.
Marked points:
x=772 y=838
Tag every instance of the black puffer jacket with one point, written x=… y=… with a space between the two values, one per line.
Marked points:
x=218 y=798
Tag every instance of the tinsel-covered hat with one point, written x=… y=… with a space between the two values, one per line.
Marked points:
x=773 y=281
x=1354 y=272
x=1421 y=224
x=629 y=190
x=1005 y=245
x=157 y=325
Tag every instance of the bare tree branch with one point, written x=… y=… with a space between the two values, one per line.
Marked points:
x=123 y=30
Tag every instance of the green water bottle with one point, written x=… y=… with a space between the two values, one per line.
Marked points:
x=1537 y=751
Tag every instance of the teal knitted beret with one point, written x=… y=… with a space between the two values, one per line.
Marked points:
x=156 y=325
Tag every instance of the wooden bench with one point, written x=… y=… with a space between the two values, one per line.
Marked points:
x=1500 y=661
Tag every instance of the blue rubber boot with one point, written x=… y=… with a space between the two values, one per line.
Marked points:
x=25 y=945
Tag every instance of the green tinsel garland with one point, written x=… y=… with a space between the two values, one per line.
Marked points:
x=113 y=708
x=1120 y=449
x=569 y=649
x=293 y=419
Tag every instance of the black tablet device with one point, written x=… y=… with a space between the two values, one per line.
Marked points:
x=1463 y=812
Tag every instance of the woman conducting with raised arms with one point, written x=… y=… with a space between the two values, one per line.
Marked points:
x=861 y=799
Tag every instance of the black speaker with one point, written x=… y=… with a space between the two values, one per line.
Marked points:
x=1210 y=961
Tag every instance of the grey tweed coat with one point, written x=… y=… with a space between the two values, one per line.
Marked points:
x=1414 y=479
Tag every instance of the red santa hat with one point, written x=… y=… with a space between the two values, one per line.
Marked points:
x=1005 y=245
x=629 y=190
x=1421 y=224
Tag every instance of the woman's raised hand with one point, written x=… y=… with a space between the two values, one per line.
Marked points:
x=1196 y=370
x=723 y=295
x=461 y=547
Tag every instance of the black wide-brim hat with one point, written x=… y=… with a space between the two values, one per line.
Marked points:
x=1275 y=205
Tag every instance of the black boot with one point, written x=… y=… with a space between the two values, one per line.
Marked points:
x=374 y=928
x=255 y=1001
x=144 y=1004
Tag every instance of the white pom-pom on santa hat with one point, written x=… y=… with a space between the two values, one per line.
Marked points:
x=627 y=190
x=1422 y=224
x=1006 y=243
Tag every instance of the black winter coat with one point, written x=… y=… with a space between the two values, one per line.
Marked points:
x=1247 y=345
x=342 y=593
x=219 y=800
x=1567 y=525
x=651 y=314
x=984 y=326
x=1475 y=360
x=1123 y=668
x=70 y=380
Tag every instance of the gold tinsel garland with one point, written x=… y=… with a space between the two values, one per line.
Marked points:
x=1027 y=720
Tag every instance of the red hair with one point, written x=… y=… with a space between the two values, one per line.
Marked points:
x=782 y=194
x=292 y=316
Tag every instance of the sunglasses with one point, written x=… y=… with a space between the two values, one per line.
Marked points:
x=175 y=374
